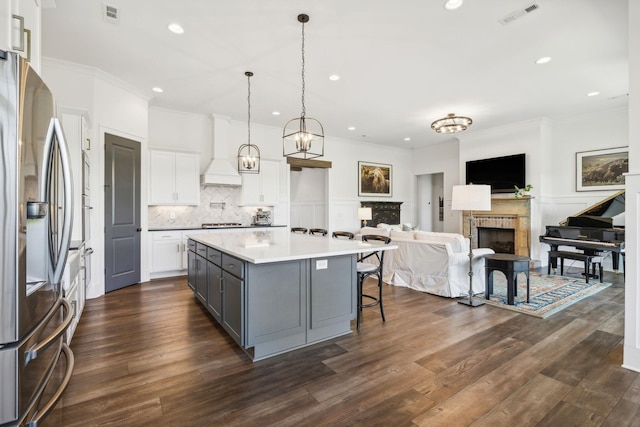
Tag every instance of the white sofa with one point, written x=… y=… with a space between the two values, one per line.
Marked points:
x=437 y=263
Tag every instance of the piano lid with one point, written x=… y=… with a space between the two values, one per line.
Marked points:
x=607 y=208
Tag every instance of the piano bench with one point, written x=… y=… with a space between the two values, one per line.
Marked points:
x=590 y=262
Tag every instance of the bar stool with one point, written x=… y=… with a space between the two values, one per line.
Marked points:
x=318 y=231
x=299 y=230
x=364 y=270
x=344 y=234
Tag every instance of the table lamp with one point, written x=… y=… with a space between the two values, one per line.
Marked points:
x=471 y=198
x=364 y=214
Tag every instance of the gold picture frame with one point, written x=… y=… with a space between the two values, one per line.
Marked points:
x=375 y=179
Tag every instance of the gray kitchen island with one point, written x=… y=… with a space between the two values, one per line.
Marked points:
x=274 y=291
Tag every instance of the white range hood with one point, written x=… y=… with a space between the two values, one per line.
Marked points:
x=220 y=171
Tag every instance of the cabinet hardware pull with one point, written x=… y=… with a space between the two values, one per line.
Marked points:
x=221 y=284
x=28 y=33
x=178 y=245
x=20 y=47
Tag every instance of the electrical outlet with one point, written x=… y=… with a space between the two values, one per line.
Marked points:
x=322 y=264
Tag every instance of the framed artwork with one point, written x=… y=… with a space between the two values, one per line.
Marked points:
x=601 y=169
x=374 y=179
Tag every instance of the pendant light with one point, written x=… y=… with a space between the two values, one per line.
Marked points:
x=303 y=137
x=248 y=154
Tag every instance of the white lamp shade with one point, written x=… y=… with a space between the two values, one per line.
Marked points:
x=364 y=213
x=471 y=198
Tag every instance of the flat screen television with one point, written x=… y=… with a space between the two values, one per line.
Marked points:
x=501 y=173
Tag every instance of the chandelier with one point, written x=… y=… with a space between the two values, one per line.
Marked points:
x=451 y=124
x=303 y=137
x=248 y=154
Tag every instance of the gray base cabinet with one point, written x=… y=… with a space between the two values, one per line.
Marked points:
x=233 y=306
x=273 y=308
x=192 y=270
x=214 y=290
x=330 y=300
x=276 y=297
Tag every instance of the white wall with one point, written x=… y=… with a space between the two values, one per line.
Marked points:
x=442 y=159
x=632 y=277
x=181 y=131
x=550 y=148
x=424 y=201
x=525 y=137
x=342 y=178
x=116 y=108
x=308 y=190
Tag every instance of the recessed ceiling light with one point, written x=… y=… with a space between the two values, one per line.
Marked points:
x=157 y=89
x=594 y=93
x=351 y=128
x=276 y=113
x=176 y=28
x=453 y=4
x=407 y=139
x=543 y=60
x=334 y=77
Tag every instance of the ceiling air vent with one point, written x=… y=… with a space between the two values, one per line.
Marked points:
x=519 y=13
x=110 y=13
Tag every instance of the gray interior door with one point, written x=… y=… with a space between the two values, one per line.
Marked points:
x=122 y=212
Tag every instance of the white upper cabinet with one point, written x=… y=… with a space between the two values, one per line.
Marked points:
x=20 y=29
x=174 y=178
x=262 y=188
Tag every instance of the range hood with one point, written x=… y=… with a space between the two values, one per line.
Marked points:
x=220 y=171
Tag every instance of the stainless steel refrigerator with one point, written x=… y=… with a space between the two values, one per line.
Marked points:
x=35 y=230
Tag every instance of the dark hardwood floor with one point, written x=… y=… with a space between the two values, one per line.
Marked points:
x=150 y=355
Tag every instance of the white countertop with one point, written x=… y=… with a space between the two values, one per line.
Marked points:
x=276 y=245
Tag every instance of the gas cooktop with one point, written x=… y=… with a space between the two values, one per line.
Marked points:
x=221 y=224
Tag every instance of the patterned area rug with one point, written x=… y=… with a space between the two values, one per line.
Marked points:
x=548 y=294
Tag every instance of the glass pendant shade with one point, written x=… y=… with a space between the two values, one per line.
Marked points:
x=248 y=154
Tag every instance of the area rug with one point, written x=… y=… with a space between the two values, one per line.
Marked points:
x=548 y=294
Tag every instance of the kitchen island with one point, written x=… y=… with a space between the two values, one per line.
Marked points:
x=274 y=291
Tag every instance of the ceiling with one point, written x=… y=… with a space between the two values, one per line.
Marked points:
x=401 y=64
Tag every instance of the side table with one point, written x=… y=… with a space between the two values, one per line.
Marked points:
x=510 y=265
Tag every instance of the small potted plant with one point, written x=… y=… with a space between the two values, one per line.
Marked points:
x=520 y=192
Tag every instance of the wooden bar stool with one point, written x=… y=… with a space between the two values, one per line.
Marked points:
x=318 y=232
x=364 y=270
x=342 y=234
x=299 y=230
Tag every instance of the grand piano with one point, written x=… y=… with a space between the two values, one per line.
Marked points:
x=592 y=230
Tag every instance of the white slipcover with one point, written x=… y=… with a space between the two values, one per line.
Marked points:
x=437 y=263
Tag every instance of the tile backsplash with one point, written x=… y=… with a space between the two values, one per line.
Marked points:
x=218 y=203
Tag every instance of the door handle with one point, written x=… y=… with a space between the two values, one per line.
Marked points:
x=138 y=229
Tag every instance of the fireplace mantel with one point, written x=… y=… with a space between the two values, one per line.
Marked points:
x=513 y=213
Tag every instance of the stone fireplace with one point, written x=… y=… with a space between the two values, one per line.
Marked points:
x=510 y=214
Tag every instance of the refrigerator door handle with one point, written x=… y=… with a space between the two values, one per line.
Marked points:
x=46 y=409
x=33 y=352
x=55 y=129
